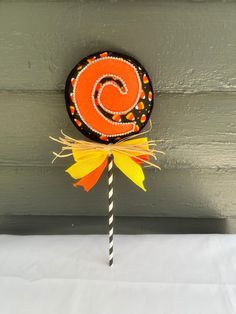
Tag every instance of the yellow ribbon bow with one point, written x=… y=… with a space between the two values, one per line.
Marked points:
x=91 y=159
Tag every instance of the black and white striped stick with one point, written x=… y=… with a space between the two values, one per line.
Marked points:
x=110 y=209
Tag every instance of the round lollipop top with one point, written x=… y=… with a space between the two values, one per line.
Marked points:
x=109 y=96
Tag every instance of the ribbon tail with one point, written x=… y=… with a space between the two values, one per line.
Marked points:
x=88 y=181
x=141 y=159
x=130 y=168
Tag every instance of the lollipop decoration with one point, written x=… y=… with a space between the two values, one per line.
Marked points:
x=109 y=98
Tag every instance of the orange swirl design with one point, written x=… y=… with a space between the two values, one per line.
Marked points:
x=111 y=97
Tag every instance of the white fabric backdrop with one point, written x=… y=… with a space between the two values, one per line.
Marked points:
x=161 y=274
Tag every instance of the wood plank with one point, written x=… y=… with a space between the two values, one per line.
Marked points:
x=197 y=130
x=185 y=45
x=206 y=193
x=25 y=225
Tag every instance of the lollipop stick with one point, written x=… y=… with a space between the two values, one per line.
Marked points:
x=110 y=208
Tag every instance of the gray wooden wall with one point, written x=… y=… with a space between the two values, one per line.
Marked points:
x=189 y=49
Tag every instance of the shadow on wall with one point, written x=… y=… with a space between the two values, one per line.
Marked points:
x=122 y=225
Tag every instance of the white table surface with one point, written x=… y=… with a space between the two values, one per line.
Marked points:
x=161 y=274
